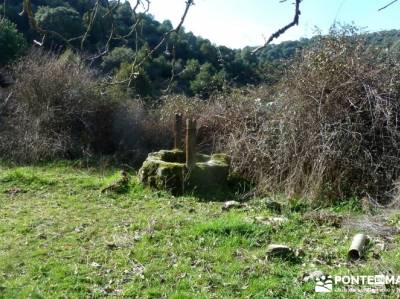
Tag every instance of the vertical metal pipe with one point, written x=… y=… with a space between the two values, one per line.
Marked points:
x=190 y=142
x=178 y=131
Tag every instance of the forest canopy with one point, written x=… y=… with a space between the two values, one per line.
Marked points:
x=113 y=39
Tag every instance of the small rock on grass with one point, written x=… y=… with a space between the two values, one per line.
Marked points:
x=111 y=246
x=271 y=220
x=95 y=265
x=232 y=204
x=284 y=252
x=279 y=250
x=273 y=205
x=312 y=276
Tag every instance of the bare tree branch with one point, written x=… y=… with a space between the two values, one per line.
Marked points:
x=92 y=18
x=189 y=3
x=138 y=18
x=283 y=29
x=173 y=75
x=135 y=65
x=27 y=9
x=111 y=10
x=110 y=14
x=387 y=5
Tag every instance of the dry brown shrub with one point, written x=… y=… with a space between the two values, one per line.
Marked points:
x=328 y=131
x=137 y=131
x=59 y=109
x=338 y=117
x=51 y=110
x=188 y=107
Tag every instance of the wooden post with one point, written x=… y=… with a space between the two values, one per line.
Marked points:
x=190 y=143
x=178 y=131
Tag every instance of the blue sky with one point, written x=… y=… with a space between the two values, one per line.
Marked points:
x=239 y=23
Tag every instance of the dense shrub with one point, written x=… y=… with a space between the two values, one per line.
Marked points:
x=332 y=129
x=66 y=21
x=329 y=130
x=222 y=119
x=12 y=42
x=52 y=111
x=59 y=110
x=137 y=131
x=116 y=57
x=339 y=121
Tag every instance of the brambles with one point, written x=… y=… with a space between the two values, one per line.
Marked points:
x=329 y=130
x=58 y=109
x=51 y=111
x=338 y=121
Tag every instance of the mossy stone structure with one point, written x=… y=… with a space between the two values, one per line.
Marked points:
x=167 y=170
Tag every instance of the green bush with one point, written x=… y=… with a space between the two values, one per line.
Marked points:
x=112 y=61
x=64 y=20
x=12 y=43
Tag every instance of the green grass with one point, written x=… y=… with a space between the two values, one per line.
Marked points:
x=60 y=237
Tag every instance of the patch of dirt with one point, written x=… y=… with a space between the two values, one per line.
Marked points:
x=14 y=190
x=373 y=225
x=324 y=218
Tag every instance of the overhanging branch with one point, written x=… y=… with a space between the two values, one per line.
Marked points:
x=283 y=29
x=387 y=5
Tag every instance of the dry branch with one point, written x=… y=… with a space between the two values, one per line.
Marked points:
x=27 y=9
x=387 y=5
x=283 y=29
x=189 y=3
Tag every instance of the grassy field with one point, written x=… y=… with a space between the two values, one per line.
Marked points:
x=60 y=237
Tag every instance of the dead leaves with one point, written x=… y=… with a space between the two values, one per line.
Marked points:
x=324 y=218
x=14 y=191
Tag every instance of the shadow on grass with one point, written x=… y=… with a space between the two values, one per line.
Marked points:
x=235 y=189
x=94 y=164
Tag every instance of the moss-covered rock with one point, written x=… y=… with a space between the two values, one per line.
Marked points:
x=166 y=170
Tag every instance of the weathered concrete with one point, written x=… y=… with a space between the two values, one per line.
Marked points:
x=167 y=170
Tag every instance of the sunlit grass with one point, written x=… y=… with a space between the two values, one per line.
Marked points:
x=61 y=237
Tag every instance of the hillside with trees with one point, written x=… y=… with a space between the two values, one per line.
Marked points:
x=185 y=63
x=197 y=66
x=288 y=174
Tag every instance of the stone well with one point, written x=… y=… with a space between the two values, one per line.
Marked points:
x=167 y=170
